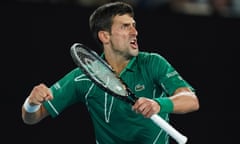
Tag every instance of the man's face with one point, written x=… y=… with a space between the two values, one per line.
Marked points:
x=123 y=37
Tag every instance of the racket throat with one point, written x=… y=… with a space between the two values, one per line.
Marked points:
x=131 y=97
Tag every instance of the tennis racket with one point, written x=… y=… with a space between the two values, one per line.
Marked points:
x=103 y=76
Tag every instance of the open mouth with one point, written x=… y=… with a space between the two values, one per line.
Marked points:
x=134 y=43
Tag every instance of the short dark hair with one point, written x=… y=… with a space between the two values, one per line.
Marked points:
x=101 y=18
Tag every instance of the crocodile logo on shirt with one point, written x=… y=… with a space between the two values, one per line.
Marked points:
x=139 y=87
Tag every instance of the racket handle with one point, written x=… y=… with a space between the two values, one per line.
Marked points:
x=181 y=139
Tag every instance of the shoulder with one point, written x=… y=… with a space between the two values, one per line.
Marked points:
x=150 y=56
x=75 y=72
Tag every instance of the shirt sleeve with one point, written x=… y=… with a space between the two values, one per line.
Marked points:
x=164 y=74
x=65 y=93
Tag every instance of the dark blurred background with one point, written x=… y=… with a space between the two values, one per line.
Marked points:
x=196 y=36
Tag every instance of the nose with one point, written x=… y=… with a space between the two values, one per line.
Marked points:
x=134 y=30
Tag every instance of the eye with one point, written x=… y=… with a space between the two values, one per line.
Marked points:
x=126 y=26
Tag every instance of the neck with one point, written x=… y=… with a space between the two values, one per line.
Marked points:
x=117 y=62
x=117 y=65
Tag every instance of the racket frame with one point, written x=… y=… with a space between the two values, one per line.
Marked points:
x=130 y=97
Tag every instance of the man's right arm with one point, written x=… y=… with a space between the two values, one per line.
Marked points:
x=32 y=110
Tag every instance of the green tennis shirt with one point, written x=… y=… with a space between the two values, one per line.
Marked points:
x=147 y=75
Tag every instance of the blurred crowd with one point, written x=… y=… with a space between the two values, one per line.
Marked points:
x=225 y=8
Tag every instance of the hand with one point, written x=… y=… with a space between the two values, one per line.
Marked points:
x=39 y=94
x=147 y=107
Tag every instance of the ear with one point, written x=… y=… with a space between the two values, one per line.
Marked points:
x=104 y=36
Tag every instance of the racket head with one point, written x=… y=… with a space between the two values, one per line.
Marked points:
x=98 y=70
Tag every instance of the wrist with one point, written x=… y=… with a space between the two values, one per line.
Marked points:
x=166 y=104
x=30 y=108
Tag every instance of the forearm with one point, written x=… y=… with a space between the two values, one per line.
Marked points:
x=184 y=102
x=32 y=114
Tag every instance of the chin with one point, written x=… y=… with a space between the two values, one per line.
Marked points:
x=134 y=53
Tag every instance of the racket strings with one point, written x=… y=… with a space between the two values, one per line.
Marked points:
x=100 y=71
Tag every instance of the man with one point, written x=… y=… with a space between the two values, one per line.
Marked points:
x=160 y=88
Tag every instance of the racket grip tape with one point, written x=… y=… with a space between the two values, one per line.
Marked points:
x=181 y=139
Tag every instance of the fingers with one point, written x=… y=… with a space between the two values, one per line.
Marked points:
x=39 y=94
x=147 y=107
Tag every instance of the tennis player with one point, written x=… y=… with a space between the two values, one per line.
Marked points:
x=160 y=88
